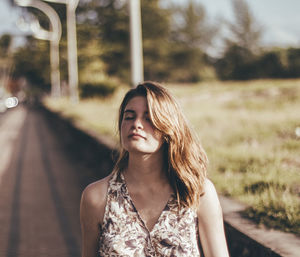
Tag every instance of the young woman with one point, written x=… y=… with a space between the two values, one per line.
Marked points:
x=157 y=201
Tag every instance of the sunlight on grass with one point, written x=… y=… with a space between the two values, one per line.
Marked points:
x=248 y=131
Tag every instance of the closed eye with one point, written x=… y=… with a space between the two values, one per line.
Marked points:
x=129 y=115
x=128 y=118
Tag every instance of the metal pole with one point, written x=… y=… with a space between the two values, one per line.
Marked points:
x=71 y=6
x=54 y=54
x=136 y=48
x=72 y=50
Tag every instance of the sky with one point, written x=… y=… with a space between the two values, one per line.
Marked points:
x=7 y=18
x=280 y=18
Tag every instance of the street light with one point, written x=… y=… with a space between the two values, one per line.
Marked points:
x=72 y=46
x=137 y=71
x=53 y=36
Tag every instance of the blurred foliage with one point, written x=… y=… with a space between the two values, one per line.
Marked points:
x=255 y=156
x=192 y=34
x=6 y=64
x=248 y=130
x=283 y=215
x=242 y=44
x=100 y=89
x=293 y=62
x=237 y=63
x=240 y=64
x=245 y=31
x=110 y=23
x=5 y=43
x=90 y=65
x=244 y=58
x=180 y=55
x=103 y=43
x=176 y=40
x=32 y=61
x=156 y=40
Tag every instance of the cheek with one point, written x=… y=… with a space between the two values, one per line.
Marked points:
x=157 y=135
x=124 y=126
x=122 y=132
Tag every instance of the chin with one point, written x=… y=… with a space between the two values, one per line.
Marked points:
x=135 y=147
x=137 y=150
x=140 y=150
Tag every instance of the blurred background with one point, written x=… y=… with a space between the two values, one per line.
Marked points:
x=234 y=65
x=183 y=41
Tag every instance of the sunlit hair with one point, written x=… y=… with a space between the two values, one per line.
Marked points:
x=185 y=160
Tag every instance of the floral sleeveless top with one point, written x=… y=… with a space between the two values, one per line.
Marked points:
x=124 y=233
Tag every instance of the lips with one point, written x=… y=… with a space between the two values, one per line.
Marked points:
x=136 y=135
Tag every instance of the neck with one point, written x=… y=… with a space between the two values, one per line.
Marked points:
x=145 y=169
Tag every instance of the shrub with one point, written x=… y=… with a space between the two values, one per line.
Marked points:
x=98 y=89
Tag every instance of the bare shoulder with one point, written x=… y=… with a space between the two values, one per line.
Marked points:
x=93 y=199
x=209 y=203
x=209 y=188
x=96 y=191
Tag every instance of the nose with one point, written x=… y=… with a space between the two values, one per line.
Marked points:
x=137 y=124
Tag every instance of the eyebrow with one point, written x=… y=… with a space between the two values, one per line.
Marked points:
x=132 y=111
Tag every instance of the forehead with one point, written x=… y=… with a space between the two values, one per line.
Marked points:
x=137 y=103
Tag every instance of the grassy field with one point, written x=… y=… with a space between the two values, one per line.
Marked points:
x=249 y=132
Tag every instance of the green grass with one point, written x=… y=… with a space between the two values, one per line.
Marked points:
x=248 y=131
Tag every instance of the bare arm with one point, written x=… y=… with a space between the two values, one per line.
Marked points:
x=211 y=226
x=92 y=206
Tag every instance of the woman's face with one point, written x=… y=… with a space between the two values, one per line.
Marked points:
x=138 y=135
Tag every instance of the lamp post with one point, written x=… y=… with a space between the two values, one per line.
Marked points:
x=137 y=71
x=71 y=6
x=53 y=36
x=136 y=48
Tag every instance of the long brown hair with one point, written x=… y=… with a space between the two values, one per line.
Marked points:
x=185 y=159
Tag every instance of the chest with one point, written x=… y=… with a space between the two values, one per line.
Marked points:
x=124 y=231
x=149 y=208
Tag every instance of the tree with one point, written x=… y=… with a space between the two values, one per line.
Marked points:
x=32 y=61
x=5 y=60
x=193 y=29
x=156 y=39
x=242 y=45
x=91 y=66
x=293 y=58
x=245 y=32
x=5 y=43
x=269 y=65
x=110 y=21
x=237 y=63
x=192 y=35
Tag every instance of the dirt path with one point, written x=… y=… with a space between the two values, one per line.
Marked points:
x=39 y=190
